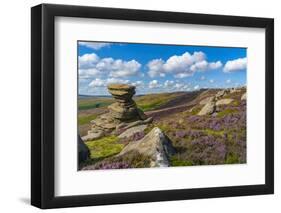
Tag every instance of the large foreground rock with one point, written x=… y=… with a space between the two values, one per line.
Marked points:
x=83 y=151
x=155 y=145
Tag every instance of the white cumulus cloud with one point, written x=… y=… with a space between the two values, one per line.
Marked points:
x=97 y=83
x=199 y=66
x=88 y=61
x=179 y=86
x=235 y=65
x=156 y=68
x=91 y=65
x=104 y=82
x=94 y=45
x=215 y=65
x=116 y=81
x=138 y=84
x=88 y=73
x=154 y=84
x=202 y=78
x=196 y=87
x=175 y=85
x=183 y=75
x=168 y=83
x=181 y=66
x=121 y=68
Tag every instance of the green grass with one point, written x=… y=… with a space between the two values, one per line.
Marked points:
x=213 y=132
x=232 y=159
x=104 y=147
x=195 y=110
x=86 y=119
x=235 y=103
x=177 y=162
x=152 y=101
x=92 y=103
x=226 y=112
x=146 y=102
x=165 y=128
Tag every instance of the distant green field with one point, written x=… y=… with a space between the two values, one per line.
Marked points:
x=92 y=103
x=152 y=101
x=146 y=102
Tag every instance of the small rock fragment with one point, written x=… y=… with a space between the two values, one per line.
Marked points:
x=244 y=96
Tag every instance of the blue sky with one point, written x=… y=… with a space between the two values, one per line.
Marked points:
x=155 y=68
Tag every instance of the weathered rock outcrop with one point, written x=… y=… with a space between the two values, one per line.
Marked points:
x=208 y=109
x=155 y=145
x=83 y=150
x=212 y=104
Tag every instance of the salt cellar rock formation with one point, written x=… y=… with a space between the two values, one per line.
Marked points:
x=125 y=108
x=124 y=113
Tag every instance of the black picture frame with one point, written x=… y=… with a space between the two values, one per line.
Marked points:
x=43 y=117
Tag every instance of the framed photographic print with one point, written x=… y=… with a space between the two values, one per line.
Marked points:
x=140 y=106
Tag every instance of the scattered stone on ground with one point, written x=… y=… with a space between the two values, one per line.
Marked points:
x=181 y=121
x=133 y=130
x=224 y=101
x=83 y=150
x=155 y=145
x=244 y=96
x=93 y=134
